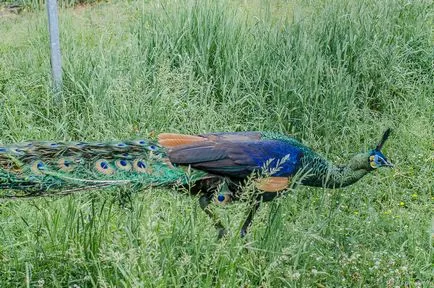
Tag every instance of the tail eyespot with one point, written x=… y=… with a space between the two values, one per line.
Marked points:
x=223 y=198
x=104 y=167
x=140 y=166
x=123 y=165
x=66 y=164
x=152 y=147
x=38 y=167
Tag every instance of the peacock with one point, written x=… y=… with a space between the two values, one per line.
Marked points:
x=216 y=166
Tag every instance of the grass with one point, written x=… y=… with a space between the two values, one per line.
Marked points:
x=334 y=74
x=35 y=5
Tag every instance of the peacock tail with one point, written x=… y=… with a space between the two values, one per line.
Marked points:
x=37 y=168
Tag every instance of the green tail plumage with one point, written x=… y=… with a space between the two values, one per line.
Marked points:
x=37 y=168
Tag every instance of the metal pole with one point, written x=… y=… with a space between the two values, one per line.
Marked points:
x=56 y=64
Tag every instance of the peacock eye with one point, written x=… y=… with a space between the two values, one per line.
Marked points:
x=140 y=142
x=66 y=164
x=223 y=198
x=152 y=147
x=126 y=155
x=37 y=167
x=123 y=165
x=104 y=167
x=140 y=166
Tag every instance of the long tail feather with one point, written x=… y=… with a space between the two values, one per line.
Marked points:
x=40 y=168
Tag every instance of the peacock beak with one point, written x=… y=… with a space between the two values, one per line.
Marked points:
x=388 y=164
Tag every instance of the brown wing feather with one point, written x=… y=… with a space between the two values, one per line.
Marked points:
x=170 y=140
x=272 y=184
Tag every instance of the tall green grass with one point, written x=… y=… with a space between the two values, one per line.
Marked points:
x=334 y=74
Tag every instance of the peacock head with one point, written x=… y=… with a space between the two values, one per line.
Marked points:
x=376 y=158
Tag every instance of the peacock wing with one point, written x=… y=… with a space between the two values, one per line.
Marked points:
x=237 y=155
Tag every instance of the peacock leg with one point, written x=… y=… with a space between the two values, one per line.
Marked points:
x=263 y=197
x=204 y=202
x=249 y=218
x=270 y=188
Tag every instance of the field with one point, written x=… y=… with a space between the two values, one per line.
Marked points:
x=333 y=73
